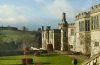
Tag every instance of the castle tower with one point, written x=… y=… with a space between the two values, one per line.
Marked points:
x=64 y=33
x=83 y=33
x=45 y=37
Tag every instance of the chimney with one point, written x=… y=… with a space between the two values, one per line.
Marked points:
x=39 y=29
x=42 y=28
x=48 y=28
x=64 y=16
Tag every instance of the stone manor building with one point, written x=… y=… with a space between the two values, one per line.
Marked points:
x=82 y=36
x=57 y=37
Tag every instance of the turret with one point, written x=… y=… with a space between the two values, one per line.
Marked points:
x=64 y=18
x=63 y=24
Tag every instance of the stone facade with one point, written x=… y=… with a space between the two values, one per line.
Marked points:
x=90 y=37
x=71 y=37
x=45 y=37
x=95 y=29
x=63 y=26
x=57 y=37
x=81 y=36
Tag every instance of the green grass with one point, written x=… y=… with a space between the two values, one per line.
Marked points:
x=11 y=39
x=50 y=59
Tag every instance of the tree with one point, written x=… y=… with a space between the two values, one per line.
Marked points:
x=24 y=28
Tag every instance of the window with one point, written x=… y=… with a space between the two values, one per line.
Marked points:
x=80 y=26
x=87 y=25
x=94 y=22
x=97 y=22
x=83 y=27
x=96 y=44
x=71 y=46
x=65 y=34
x=72 y=32
x=91 y=23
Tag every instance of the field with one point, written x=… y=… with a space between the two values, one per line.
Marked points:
x=13 y=39
x=49 y=59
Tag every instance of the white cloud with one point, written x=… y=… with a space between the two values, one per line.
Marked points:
x=57 y=7
x=13 y=14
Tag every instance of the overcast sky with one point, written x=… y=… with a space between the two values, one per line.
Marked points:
x=37 y=13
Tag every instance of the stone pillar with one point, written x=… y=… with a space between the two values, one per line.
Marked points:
x=62 y=42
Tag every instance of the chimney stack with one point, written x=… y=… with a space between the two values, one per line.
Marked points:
x=64 y=16
x=42 y=28
x=48 y=27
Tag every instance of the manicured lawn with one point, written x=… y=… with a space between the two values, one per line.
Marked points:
x=49 y=59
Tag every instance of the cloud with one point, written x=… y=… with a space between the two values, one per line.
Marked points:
x=13 y=14
x=57 y=7
x=39 y=12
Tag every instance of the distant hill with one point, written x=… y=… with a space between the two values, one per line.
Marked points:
x=15 y=39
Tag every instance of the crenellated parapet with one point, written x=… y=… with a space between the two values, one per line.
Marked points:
x=95 y=8
x=71 y=25
x=83 y=15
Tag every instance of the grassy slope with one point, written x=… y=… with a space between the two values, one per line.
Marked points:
x=45 y=59
x=16 y=36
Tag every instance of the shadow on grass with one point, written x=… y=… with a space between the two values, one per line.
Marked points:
x=9 y=59
x=11 y=64
x=30 y=64
x=42 y=63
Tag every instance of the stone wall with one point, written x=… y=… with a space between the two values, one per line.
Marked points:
x=71 y=37
x=95 y=42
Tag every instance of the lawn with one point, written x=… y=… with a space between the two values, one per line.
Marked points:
x=49 y=59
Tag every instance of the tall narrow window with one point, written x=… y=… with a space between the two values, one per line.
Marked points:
x=83 y=27
x=96 y=44
x=97 y=21
x=65 y=34
x=72 y=32
x=91 y=23
x=79 y=26
x=87 y=25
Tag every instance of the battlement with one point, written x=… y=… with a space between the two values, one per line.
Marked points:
x=71 y=24
x=46 y=28
x=83 y=15
x=95 y=8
